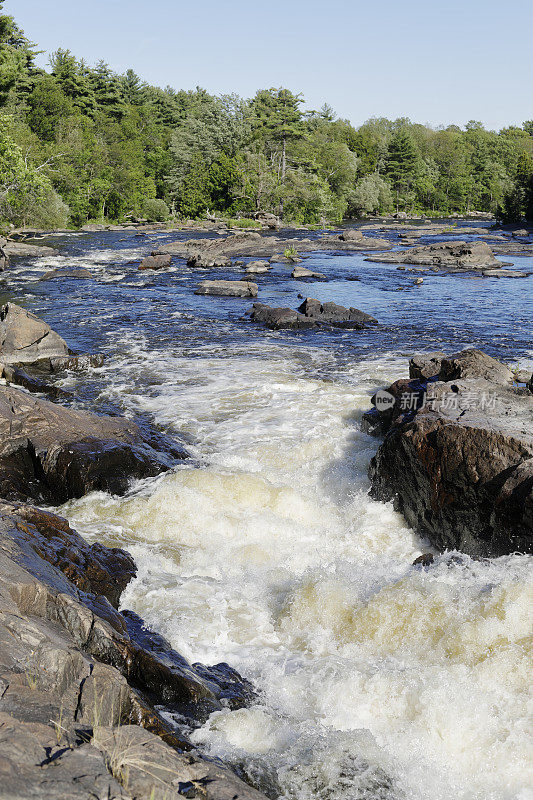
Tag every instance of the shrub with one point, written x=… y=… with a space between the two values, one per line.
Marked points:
x=155 y=210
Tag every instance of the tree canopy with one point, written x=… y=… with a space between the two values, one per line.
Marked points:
x=83 y=142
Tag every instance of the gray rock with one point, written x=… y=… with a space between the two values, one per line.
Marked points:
x=25 y=339
x=351 y=235
x=311 y=314
x=445 y=255
x=258 y=267
x=67 y=272
x=300 y=273
x=23 y=249
x=425 y=365
x=472 y=363
x=228 y=288
x=520 y=232
x=505 y=273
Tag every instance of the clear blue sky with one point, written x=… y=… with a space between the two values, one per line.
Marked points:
x=433 y=61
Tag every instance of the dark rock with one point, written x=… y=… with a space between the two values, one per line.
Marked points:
x=54 y=453
x=351 y=235
x=278 y=318
x=155 y=262
x=458 y=457
x=425 y=560
x=228 y=288
x=19 y=377
x=333 y=314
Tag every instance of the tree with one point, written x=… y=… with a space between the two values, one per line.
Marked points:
x=277 y=119
x=403 y=162
x=372 y=194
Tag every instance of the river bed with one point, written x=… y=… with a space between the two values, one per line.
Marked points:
x=376 y=680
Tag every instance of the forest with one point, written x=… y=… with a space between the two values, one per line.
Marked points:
x=80 y=143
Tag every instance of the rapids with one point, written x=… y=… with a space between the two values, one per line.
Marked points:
x=376 y=680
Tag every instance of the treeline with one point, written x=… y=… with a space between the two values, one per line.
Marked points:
x=82 y=143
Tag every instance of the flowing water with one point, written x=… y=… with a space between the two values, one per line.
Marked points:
x=376 y=680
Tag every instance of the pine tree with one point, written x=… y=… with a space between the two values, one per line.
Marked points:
x=402 y=162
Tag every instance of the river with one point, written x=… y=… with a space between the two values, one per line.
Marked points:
x=376 y=680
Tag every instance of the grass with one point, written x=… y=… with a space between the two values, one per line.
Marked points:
x=243 y=223
x=291 y=253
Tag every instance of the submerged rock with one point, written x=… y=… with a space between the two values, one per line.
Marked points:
x=155 y=262
x=67 y=272
x=458 y=454
x=228 y=288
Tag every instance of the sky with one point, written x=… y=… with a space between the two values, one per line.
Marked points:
x=435 y=62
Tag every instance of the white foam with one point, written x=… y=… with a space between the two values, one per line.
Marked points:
x=376 y=679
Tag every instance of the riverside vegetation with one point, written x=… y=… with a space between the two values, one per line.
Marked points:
x=82 y=143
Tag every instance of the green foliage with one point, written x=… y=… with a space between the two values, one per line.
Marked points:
x=84 y=141
x=155 y=210
x=243 y=222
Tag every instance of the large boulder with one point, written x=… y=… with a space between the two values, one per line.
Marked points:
x=25 y=339
x=24 y=249
x=457 y=457
x=228 y=288
x=444 y=255
x=52 y=453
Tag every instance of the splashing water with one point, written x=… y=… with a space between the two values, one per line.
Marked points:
x=377 y=680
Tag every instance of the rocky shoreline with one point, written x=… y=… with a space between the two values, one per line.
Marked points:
x=81 y=683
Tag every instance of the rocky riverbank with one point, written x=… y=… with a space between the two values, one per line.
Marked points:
x=457 y=457
x=81 y=683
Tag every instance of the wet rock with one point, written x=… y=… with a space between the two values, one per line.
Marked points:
x=457 y=458
x=425 y=560
x=49 y=452
x=67 y=272
x=300 y=273
x=311 y=314
x=521 y=232
x=77 y=678
x=4 y=259
x=34 y=384
x=228 y=288
x=445 y=255
x=155 y=262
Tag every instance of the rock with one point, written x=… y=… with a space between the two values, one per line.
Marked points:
x=445 y=255
x=504 y=273
x=474 y=363
x=207 y=262
x=311 y=314
x=17 y=376
x=351 y=244
x=23 y=249
x=155 y=262
x=425 y=365
x=52 y=453
x=522 y=376
x=67 y=272
x=278 y=318
x=4 y=259
x=299 y=273
x=25 y=339
x=270 y=220
x=457 y=458
x=257 y=267
x=228 y=288
x=520 y=232
x=78 y=679
x=351 y=235
x=333 y=314
x=93 y=227
x=425 y=560
x=419 y=281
